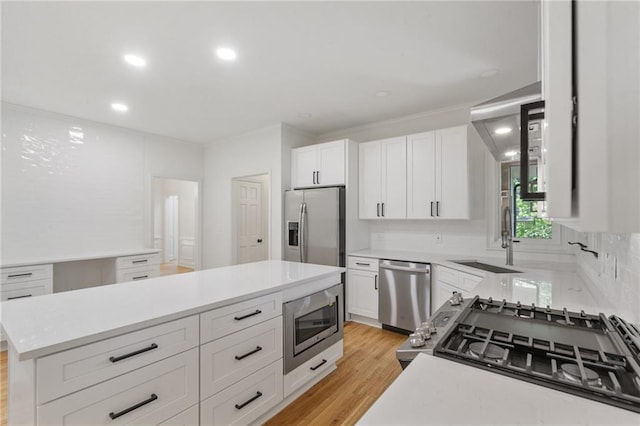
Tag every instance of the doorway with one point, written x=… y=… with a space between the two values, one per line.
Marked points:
x=250 y=218
x=176 y=207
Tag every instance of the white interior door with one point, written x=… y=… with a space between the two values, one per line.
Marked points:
x=249 y=222
x=171 y=228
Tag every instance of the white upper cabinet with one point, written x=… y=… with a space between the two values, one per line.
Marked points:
x=382 y=179
x=318 y=165
x=438 y=174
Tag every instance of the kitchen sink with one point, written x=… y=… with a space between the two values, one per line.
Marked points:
x=486 y=267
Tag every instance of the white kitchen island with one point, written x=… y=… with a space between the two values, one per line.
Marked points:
x=66 y=363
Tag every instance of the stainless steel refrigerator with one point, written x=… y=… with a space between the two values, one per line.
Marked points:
x=314 y=226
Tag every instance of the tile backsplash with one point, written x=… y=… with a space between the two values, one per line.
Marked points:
x=615 y=273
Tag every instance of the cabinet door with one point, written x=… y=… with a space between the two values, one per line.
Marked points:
x=303 y=166
x=363 y=293
x=452 y=188
x=394 y=178
x=441 y=292
x=421 y=175
x=331 y=164
x=370 y=178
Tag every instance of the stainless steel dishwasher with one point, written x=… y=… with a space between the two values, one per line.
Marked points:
x=404 y=295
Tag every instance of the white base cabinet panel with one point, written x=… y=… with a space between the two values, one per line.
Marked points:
x=146 y=396
x=312 y=368
x=446 y=281
x=227 y=360
x=246 y=400
x=65 y=372
x=189 y=417
x=363 y=293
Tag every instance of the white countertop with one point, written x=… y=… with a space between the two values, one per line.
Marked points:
x=42 y=325
x=6 y=263
x=436 y=391
x=553 y=284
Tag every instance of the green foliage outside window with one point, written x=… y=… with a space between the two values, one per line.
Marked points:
x=528 y=224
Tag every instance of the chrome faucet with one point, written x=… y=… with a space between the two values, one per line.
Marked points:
x=507 y=237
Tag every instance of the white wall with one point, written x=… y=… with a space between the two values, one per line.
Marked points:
x=253 y=153
x=76 y=187
x=615 y=273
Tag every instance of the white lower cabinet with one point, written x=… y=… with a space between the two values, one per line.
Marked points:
x=362 y=287
x=246 y=400
x=148 y=395
x=139 y=267
x=446 y=281
x=189 y=417
x=312 y=368
x=229 y=359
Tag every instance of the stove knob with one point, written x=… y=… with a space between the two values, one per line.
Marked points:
x=456 y=299
x=429 y=326
x=416 y=340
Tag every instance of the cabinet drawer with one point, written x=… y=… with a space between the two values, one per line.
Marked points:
x=312 y=368
x=138 y=273
x=24 y=290
x=157 y=392
x=139 y=260
x=231 y=358
x=363 y=263
x=468 y=282
x=229 y=319
x=26 y=273
x=69 y=371
x=245 y=401
x=189 y=417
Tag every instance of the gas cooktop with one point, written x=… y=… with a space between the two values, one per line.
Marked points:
x=587 y=355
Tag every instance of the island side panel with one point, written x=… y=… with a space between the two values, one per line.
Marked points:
x=22 y=390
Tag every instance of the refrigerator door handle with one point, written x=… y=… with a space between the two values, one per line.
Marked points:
x=303 y=231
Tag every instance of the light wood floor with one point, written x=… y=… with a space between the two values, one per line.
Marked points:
x=172 y=268
x=367 y=368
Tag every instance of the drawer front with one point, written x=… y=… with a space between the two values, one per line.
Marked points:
x=26 y=273
x=245 y=401
x=446 y=275
x=189 y=417
x=69 y=371
x=363 y=263
x=140 y=260
x=469 y=282
x=312 y=368
x=25 y=290
x=229 y=319
x=149 y=395
x=231 y=358
x=137 y=274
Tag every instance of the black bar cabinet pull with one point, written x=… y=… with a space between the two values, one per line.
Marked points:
x=363 y=264
x=375 y=282
x=438 y=208
x=26 y=274
x=324 y=361
x=257 y=349
x=140 y=261
x=378 y=209
x=382 y=209
x=134 y=353
x=114 y=416
x=432 y=209
x=257 y=312
x=141 y=277
x=244 y=404
x=318 y=177
x=314 y=178
x=18 y=297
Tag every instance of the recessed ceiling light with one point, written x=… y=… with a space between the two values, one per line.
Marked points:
x=489 y=73
x=511 y=153
x=503 y=130
x=382 y=94
x=135 y=60
x=119 y=107
x=305 y=115
x=226 y=54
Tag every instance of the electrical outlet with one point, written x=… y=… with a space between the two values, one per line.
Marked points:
x=437 y=238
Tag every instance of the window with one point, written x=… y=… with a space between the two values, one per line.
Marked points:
x=528 y=216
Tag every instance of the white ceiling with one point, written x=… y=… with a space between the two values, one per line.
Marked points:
x=325 y=59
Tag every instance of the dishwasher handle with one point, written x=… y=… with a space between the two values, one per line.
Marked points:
x=407 y=269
